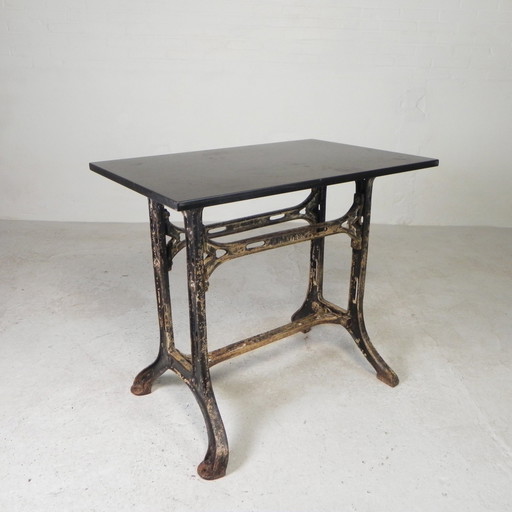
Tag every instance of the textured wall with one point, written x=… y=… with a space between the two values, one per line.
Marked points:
x=92 y=80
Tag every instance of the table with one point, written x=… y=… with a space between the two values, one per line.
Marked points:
x=190 y=182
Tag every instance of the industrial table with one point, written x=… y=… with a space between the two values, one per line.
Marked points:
x=190 y=182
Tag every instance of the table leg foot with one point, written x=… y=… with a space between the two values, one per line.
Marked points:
x=384 y=372
x=390 y=378
x=217 y=455
x=144 y=381
x=211 y=470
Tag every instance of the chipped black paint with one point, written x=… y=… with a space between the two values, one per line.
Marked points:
x=205 y=253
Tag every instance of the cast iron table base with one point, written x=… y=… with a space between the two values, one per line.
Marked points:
x=205 y=251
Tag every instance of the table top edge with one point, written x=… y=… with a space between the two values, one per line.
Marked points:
x=294 y=187
x=241 y=195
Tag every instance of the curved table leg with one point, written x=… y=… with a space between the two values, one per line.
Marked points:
x=355 y=325
x=217 y=454
x=158 y=217
x=216 y=459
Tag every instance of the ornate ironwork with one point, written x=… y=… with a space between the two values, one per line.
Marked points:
x=205 y=253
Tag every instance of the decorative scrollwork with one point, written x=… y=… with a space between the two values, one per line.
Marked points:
x=217 y=252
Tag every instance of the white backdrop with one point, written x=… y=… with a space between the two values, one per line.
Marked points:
x=96 y=80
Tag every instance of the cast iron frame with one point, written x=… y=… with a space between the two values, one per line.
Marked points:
x=205 y=253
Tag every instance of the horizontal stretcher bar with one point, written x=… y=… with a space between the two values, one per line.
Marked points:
x=241 y=347
x=229 y=250
x=260 y=220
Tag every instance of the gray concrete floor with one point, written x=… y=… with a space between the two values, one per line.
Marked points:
x=310 y=427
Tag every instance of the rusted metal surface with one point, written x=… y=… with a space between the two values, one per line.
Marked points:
x=356 y=326
x=158 y=217
x=216 y=458
x=219 y=252
x=304 y=210
x=260 y=340
x=205 y=253
x=313 y=303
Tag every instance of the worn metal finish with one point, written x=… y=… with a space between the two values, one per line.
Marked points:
x=216 y=458
x=168 y=355
x=356 y=326
x=205 y=253
x=304 y=211
x=193 y=369
x=219 y=252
